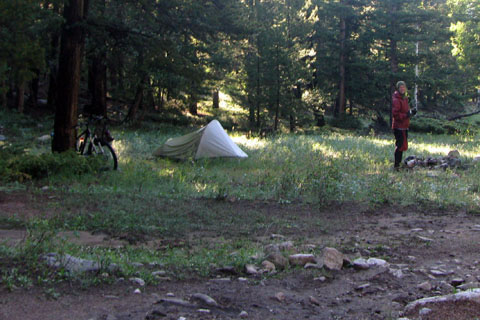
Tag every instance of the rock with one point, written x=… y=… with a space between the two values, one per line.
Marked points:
x=309 y=246
x=424 y=311
x=397 y=273
x=242 y=279
x=280 y=296
x=251 y=269
x=111 y=317
x=361 y=264
x=182 y=318
x=468 y=286
x=138 y=281
x=204 y=299
x=268 y=266
x=277 y=236
x=159 y=273
x=137 y=264
x=302 y=259
x=476 y=159
x=203 y=311
x=170 y=294
x=314 y=300
x=425 y=286
x=440 y=272
x=272 y=248
x=362 y=287
x=471 y=295
x=137 y=291
x=332 y=259
x=243 y=315
x=456 y=282
x=278 y=260
x=424 y=239
x=320 y=279
x=416 y=230
x=313 y=266
x=287 y=245
x=44 y=138
x=2 y=137
x=375 y=262
x=411 y=163
x=454 y=154
x=177 y=302
x=72 y=264
x=155 y=314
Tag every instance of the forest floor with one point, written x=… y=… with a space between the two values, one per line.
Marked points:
x=426 y=250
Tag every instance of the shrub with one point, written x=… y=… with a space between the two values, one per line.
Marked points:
x=345 y=122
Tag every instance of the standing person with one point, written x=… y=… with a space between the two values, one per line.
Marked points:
x=401 y=121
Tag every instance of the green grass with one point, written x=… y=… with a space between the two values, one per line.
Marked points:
x=217 y=206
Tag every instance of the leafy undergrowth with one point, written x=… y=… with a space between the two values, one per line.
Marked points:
x=151 y=198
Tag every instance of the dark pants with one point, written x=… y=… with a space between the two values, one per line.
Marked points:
x=400 y=140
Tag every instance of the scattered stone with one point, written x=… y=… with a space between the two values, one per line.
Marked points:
x=375 y=262
x=456 y=282
x=416 y=230
x=227 y=269
x=177 y=302
x=287 y=245
x=440 y=272
x=242 y=279
x=309 y=246
x=313 y=266
x=424 y=239
x=111 y=317
x=182 y=318
x=243 y=315
x=361 y=264
x=397 y=273
x=204 y=299
x=472 y=295
x=154 y=314
x=425 y=286
x=73 y=264
x=137 y=264
x=137 y=291
x=301 y=259
x=468 y=286
x=277 y=236
x=159 y=273
x=272 y=248
x=314 y=300
x=424 y=311
x=268 y=266
x=203 y=310
x=110 y=297
x=170 y=294
x=362 y=287
x=280 y=296
x=251 y=269
x=138 y=281
x=320 y=279
x=278 y=260
x=332 y=259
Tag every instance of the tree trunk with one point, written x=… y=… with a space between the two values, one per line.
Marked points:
x=34 y=90
x=341 y=101
x=132 y=113
x=53 y=63
x=69 y=67
x=216 y=99
x=193 y=105
x=3 y=102
x=20 y=99
x=277 y=102
x=393 y=54
x=258 y=93
x=98 y=84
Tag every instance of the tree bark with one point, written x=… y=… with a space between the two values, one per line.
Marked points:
x=98 y=84
x=393 y=53
x=341 y=101
x=216 y=99
x=53 y=63
x=69 y=67
x=193 y=104
x=20 y=99
x=132 y=113
x=34 y=90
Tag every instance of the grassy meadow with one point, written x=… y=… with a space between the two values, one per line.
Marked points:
x=205 y=210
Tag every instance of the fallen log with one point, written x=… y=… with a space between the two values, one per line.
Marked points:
x=463 y=115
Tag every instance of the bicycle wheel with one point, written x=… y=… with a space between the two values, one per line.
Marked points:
x=105 y=152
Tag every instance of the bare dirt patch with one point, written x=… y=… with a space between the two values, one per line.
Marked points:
x=421 y=246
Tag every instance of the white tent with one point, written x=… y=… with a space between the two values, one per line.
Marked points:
x=208 y=142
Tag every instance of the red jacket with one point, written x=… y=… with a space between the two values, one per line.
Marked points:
x=400 y=109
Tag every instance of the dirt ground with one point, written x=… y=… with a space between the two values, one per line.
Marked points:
x=420 y=246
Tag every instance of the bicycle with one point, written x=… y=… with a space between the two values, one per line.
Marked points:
x=97 y=143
